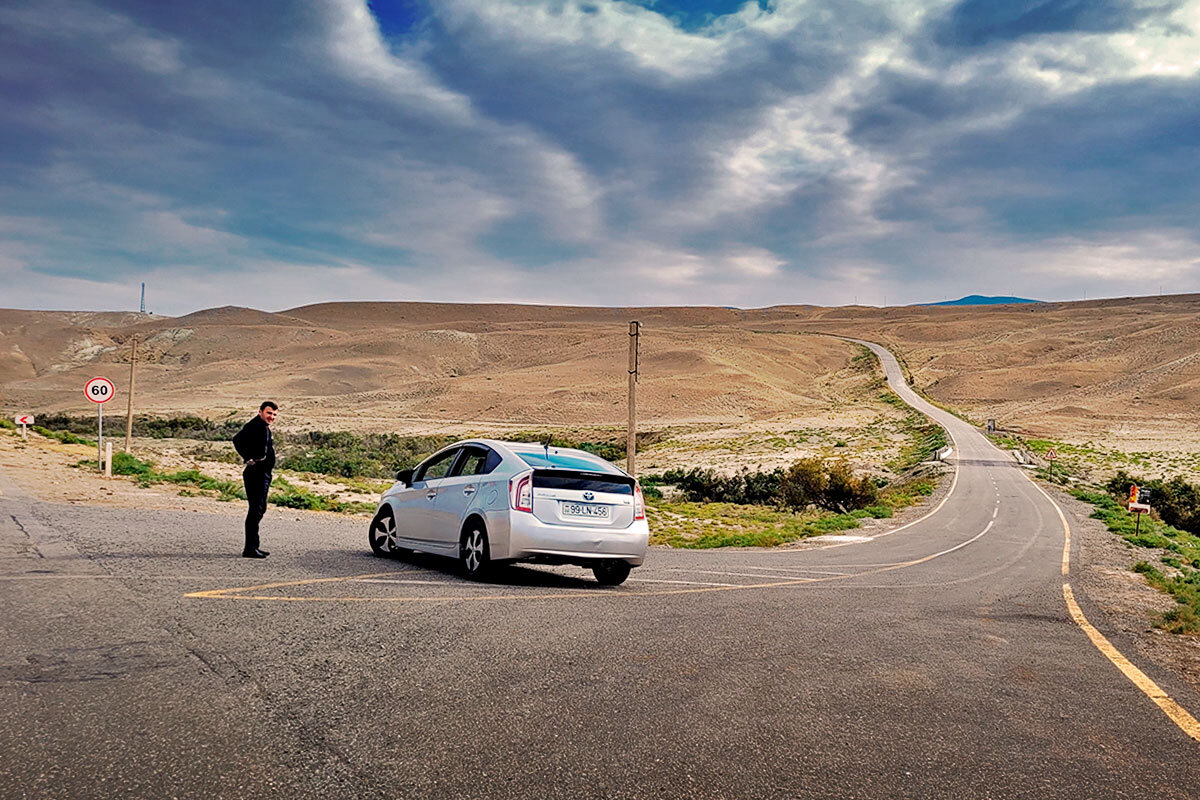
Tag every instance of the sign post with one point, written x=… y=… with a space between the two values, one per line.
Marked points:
x=635 y=330
x=24 y=420
x=99 y=391
x=1052 y=456
x=129 y=408
x=1139 y=509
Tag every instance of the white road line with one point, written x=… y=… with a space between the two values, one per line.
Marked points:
x=995 y=511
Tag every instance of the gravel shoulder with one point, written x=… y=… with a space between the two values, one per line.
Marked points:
x=1102 y=568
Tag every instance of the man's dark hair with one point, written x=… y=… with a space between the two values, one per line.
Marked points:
x=268 y=404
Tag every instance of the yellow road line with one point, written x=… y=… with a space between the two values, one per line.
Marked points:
x=238 y=592
x=1176 y=712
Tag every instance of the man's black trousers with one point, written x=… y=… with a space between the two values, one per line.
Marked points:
x=258 y=484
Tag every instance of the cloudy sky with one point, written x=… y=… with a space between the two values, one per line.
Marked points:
x=271 y=154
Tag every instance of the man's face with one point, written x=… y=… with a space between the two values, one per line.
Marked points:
x=268 y=414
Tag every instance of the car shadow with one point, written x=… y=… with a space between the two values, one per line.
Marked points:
x=516 y=575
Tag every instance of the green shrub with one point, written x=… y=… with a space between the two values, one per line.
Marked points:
x=708 y=486
x=8 y=424
x=126 y=464
x=1176 y=501
x=66 y=437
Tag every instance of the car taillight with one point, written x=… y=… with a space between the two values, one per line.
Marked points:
x=639 y=505
x=520 y=492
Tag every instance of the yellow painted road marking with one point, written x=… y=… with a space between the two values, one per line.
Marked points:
x=1066 y=554
x=238 y=592
x=1176 y=712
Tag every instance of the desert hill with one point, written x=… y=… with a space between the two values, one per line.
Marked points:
x=408 y=366
x=1124 y=370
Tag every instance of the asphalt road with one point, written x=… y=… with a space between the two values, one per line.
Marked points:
x=142 y=658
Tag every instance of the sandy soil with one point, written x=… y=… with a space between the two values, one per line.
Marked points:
x=1115 y=375
x=48 y=470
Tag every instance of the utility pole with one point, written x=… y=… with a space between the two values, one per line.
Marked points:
x=631 y=440
x=129 y=408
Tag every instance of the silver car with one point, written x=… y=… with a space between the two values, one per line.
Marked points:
x=483 y=501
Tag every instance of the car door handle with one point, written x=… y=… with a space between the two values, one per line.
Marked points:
x=431 y=494
x=468 y=490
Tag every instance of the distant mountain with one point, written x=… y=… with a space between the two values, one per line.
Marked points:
x=981 y=300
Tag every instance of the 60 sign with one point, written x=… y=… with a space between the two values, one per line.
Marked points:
x=99 y=390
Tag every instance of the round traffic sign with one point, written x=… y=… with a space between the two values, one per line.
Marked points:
x=99 y=390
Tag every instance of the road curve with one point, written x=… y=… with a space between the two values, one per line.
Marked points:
x=143 y=659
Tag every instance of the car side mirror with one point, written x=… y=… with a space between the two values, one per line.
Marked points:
x=405 y=476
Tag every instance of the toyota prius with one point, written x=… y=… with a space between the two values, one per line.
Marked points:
x=485 y=502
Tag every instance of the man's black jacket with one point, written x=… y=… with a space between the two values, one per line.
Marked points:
x=253 y=441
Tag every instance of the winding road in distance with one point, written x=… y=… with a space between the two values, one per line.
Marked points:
x=948 y=659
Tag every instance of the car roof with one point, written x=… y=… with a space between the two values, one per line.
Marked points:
x=535 y=448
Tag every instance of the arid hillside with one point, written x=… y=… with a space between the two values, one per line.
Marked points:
x=409 y=366
x=1122 y=373
x=1125 y=372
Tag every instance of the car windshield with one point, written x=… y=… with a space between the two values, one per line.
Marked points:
x=541 y=459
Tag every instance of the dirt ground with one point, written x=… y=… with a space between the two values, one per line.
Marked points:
x=48 y=470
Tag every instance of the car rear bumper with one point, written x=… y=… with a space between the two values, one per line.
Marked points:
x=530 y=537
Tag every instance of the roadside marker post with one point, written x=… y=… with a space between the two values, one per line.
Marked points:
x=24 y=420
x=108 y=459
x=99 y=391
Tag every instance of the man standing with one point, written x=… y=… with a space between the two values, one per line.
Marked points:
x=253 y=443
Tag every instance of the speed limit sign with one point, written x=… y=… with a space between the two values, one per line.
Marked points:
x=99 y=390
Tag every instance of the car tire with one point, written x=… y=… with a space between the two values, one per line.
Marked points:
x=473 y=551
x=611 y=573
x=382 y=534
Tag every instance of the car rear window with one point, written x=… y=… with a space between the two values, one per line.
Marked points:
x=583 y=482
x=540 y=459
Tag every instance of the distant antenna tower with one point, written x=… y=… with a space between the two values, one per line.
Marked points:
x=143 y=308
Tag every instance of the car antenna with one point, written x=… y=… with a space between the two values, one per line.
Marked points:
x=546 y=441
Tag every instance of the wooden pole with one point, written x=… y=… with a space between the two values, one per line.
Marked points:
x=631 y=437
x=129 y=407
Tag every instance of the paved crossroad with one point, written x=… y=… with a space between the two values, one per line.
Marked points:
x=144 y=659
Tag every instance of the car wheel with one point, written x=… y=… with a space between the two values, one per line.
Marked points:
x=473 y=551
x=383 y=534
x=611 y=573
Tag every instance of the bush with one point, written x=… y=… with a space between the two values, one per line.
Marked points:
x=808 y=482
x=1176 y=501
x=814 y=482
x=126 y=464
x=66 y=437
x=708 y=486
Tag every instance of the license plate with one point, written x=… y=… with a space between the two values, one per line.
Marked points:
x=585 y=510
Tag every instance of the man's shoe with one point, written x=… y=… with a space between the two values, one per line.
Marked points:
x=254 y=554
